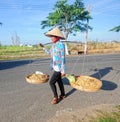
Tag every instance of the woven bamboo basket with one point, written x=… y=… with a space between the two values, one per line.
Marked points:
x=86 y=83
x=37 y=78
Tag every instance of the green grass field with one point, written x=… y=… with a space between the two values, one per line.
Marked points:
x=17 y=52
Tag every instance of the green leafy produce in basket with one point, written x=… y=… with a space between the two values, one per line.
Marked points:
x=71 y=78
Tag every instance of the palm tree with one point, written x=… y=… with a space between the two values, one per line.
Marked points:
x=116 y=29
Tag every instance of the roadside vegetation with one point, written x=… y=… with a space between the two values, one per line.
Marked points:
x=20 y=52
x=96 y=47
x=107 y=116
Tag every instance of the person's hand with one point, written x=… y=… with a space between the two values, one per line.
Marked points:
x=41 y=45
x=63 y=74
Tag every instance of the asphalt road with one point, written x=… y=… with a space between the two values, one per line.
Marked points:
x=24 y=102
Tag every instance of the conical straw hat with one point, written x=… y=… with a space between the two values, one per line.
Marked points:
x=55 y=32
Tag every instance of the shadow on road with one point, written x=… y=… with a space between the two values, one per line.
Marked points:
x=12 y=64
x=108 y=85
x=101 y=72
x=66 y=82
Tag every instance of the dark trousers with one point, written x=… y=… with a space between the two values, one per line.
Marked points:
x=56 y=77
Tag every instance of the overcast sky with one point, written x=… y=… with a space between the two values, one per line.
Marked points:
x=24 y=17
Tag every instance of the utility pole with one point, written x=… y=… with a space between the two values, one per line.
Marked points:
x=86 y=43
x=65 y=35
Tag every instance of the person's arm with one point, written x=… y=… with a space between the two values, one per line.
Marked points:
x=43 y=47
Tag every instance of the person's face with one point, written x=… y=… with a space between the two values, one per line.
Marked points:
x=54 y=39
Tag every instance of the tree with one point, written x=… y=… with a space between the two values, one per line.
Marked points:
x=70 y=18
x=116 y=29
x=15 y=39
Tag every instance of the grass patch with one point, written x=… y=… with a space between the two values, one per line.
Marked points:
x=107 y=116
x=17 y=52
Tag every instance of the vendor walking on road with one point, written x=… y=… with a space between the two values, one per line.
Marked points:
x=58 y=63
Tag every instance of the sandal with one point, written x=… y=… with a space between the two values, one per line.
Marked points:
x=54 y=101
x=62 y=97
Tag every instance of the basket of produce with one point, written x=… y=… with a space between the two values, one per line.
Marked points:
x=37 y=78
x=84 y=83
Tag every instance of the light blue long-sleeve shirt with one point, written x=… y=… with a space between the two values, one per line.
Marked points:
x=58 y=56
